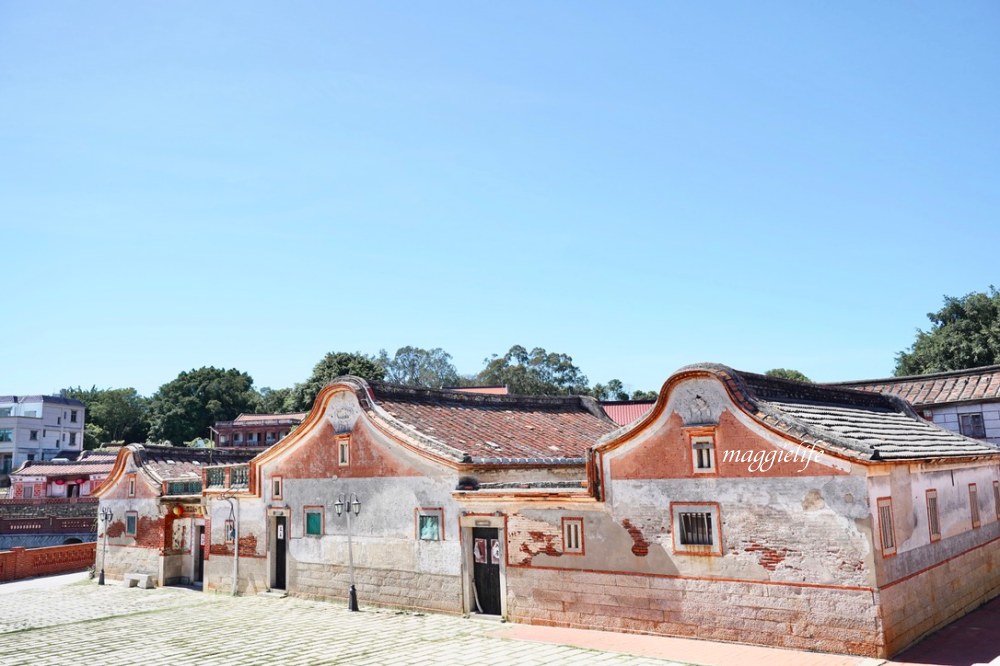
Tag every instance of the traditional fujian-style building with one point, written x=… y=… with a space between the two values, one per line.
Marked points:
x=157 y=520
x=741 y=508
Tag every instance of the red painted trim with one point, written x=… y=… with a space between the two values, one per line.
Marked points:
x=583 y=542
x=820 y=586
x=934 y=566
x=892 y=526
x=674 y=532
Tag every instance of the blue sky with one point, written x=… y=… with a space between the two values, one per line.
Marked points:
x=640 y=186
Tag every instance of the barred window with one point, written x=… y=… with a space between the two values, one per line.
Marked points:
x=696 y=528
x=974 y=504
x=572 y=535
x=886 y=529
x=933 y=520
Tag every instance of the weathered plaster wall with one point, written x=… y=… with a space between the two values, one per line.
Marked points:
x=392 y=566
x=809 y=618
x=139 y=553
x=927 y=584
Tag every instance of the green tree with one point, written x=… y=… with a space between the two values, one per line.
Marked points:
x=964 y=333
x=613 y=390
x=274 y=401
x=186 y=407
x=123 y=414
x=785 y=373
x=331 y=366
x=413 y=366
x=645 y=395
x=113 y=415
x=537 y=372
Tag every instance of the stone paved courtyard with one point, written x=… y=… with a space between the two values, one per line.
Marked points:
x=84 y=623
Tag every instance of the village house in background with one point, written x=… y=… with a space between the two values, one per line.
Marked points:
x=964 y=401
x=255 y=429
x=158 y=523
x=50 y=503
x=741 y=507
x=38 y=427
x=62 y=479
x=624 y=412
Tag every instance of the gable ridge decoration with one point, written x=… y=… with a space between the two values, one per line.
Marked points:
x=118 y=470
x=754 y=394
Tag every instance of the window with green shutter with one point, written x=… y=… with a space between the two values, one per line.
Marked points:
x=314 y=522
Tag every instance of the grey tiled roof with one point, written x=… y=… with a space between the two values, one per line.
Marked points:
x=866 y=426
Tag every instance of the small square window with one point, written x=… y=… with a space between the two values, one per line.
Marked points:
x=974 y=504
x=344 y=451
x=933 y=518
x=314 y=521
x=429 y=524
x=971 y=425
x=131 y=521
x=696 y=528
x=276 y=487
x=572 y=535
x=703 y=454
x=887 y=530
x=72 y=416
x=230 y=531
x=33 y=436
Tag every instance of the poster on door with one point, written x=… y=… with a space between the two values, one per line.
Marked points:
x=479 y=551
x=495 y=550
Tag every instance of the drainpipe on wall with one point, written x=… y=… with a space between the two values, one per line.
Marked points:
x=236 y=547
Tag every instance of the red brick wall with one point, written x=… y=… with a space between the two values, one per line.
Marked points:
x=317 y=457
x=19 y=563
x=667 y=454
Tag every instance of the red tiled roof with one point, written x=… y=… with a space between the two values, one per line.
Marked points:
x=292 y=419
x=624 y=412
x=102 y=466
x=938 y=388
x=498 y=428
x=486 y=390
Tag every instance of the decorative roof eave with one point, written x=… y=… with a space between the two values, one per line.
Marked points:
x=117 y=471
x=531 y=495
x=529 y=462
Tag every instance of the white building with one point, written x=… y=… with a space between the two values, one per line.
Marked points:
x=38 y=427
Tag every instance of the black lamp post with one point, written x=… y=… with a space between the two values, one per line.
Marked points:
x=106 y=516
x=353 y=504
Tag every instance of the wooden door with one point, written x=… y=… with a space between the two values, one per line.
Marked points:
x=199 y=553
x=280 y=548
x=486 y=553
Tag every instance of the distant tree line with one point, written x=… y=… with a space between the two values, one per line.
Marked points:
x=184 y=408
x=964 y=333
